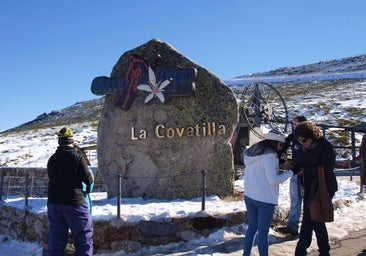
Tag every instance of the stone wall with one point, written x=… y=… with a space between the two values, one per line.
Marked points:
x=21 y=224
x=115 y=234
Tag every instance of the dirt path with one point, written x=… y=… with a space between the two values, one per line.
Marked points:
x=352 y=245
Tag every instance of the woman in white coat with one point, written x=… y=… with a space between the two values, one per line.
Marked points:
x=261 y=188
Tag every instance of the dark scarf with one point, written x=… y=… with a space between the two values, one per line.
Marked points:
x=65 y=140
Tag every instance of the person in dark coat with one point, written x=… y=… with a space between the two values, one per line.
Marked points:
x=66 y=205
x=295 y=183
x=316 y=150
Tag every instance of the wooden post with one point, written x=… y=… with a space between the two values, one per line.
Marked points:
x=119 y=195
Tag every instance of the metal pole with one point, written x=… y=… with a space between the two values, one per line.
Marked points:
x=26 y=189
x=363 y=164
x=2 y=185
x=119 y=180
x=31 y=186
x=353 y=141
x=7 y=189
x=203 y=189
x=350 y=169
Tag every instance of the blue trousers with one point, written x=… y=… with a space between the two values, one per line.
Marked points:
x=260 y=216
x=78 y=219
x=296 y=200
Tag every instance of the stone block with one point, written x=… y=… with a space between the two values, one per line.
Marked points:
x=161 y=148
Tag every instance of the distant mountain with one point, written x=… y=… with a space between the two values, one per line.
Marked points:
x=349 y=64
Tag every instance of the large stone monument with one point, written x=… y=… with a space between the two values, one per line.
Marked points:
x=165 y=120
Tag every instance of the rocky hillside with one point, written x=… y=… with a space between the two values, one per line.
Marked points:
x=80 y=112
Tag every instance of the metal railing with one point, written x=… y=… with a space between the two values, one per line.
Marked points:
x=25 y=188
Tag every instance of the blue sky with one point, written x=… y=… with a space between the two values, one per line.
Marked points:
x=51 y=50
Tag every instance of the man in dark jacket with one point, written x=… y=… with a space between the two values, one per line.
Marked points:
x=66 y=206
x=295 y=184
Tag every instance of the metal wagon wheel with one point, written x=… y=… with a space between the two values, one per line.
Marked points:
x=264 y=108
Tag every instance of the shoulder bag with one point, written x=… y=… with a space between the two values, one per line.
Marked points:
x=321 y=208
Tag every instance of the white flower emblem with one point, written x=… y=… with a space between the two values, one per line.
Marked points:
x=154 y=88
